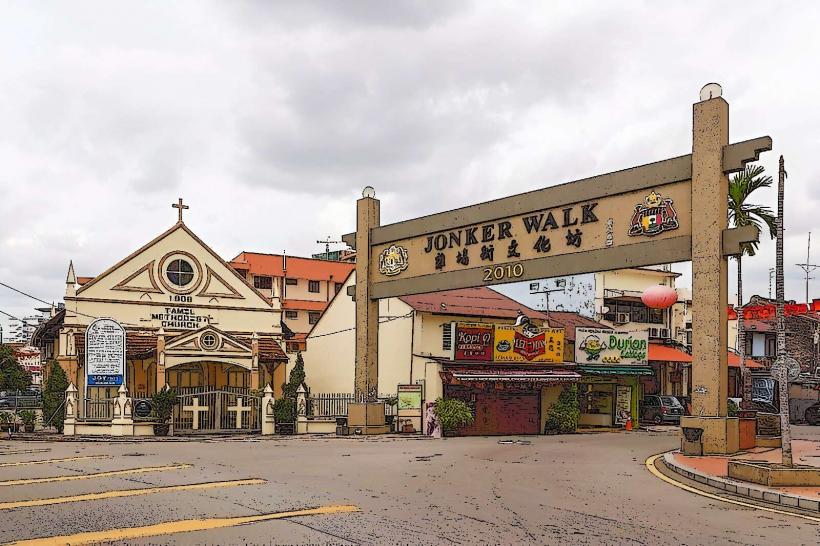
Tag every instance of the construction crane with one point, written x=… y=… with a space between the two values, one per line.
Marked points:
x=327 y=244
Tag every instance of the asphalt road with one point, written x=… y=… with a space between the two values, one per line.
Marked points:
x=580 y=489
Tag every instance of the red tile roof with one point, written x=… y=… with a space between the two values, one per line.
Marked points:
x=472 y=302
x=666 y=353
x=84 y=280
x=569 y=321
x=734 y=361
x=298 y=268
x=756 y=325
x=305 y=305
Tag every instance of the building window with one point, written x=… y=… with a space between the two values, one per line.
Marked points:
x=338 y=287
x=655 y=315
x=447 y=336
x=237 y=379
x=313 y=286
x=291 y=282
x=180 y=272
x=313 y=317
x=771 y=346
x=291 y=315
x=263 y=283
x=209 y=341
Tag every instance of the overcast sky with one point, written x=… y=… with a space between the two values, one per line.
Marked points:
x=268 y=119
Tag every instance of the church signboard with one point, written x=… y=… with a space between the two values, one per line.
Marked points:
x=104 y=353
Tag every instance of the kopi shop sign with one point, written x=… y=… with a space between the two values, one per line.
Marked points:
x=526 y=343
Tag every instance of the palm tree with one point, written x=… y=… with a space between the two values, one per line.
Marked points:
x=742 y=213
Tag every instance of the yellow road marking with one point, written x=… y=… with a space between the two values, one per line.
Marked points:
x=650 y=465
x=73 y=477
x=173 y=527
x=128 y=493
x=22 y=451
x=47 y=461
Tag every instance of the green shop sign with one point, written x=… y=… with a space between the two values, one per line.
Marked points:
x=596 y=346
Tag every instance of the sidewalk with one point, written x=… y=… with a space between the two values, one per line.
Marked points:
x=713 y=471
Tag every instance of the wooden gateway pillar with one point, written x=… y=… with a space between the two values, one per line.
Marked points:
x=366 y=414
x=710 y=186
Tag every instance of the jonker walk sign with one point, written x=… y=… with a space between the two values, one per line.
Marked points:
x=670 y=211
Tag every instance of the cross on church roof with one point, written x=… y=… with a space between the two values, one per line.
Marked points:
x=179 y=206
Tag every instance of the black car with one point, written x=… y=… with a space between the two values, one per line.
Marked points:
x=812 y=414
x=660 y=409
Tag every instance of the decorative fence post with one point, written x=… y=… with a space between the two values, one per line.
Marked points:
x=70 y=421
x=301 y=410
x=122 y=423
x=268 y=421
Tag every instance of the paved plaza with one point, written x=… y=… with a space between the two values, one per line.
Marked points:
x=578 y=489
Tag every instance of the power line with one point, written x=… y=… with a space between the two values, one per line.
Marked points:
x=386 y=320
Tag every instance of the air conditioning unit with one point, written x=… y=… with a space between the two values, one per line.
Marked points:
x=663 y=333
x=653 y=332
x=621 y=318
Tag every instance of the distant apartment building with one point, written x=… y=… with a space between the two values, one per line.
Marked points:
x=304 y=286
x=29 y=358
x=613 y=298
x=21 y=330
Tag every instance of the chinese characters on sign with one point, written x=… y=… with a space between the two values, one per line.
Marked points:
x=104 y=353
x=595 y=346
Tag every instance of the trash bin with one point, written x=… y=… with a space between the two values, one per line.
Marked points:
x=692 y=441
x=341 y=427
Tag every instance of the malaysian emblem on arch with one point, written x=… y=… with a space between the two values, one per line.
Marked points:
x=655 y=215
x=393 y=260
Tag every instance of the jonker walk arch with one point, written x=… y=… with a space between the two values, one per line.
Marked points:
x=672 y=210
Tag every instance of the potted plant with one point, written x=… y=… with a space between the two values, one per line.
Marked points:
x=407 y=426
x=391 y=402
x=164 y=402
x=562 y=417
x=453 y=414
x=284 y=415
x=8 y=422
x=29 y=418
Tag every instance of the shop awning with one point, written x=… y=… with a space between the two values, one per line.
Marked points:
x=615 y=370
x=734 y=361
x=665 y=353
x=514 y=375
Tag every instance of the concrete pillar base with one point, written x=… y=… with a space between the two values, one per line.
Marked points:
x=367 y=418
x=721 y=435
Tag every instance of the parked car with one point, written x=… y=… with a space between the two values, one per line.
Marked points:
x=812 y=414
x=660 y=409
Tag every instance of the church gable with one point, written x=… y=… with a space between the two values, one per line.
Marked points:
x=175 y=268
x=208 y=339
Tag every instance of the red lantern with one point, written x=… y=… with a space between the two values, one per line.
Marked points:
x=659 y=296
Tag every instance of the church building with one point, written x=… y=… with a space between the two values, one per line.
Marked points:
x=191 y=322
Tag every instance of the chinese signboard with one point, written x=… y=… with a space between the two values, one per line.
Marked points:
x=104 y=353
x=595 y=346
x=528 y=343
x=474 y=341
x=505 y=248
x=763 y=312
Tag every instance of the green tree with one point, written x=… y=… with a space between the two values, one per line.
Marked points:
x=743 y=213
x=562 y=417
x=453 y=414
x=13 y=377
x=296 y=378
x=54 y=396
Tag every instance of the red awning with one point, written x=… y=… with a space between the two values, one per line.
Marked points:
x=514 y=375
x=665 y=353
x=734 y=362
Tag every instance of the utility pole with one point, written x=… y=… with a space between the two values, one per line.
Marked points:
x=561 y=285
x=808 y=268
x=783 y=372
x=327 y=244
